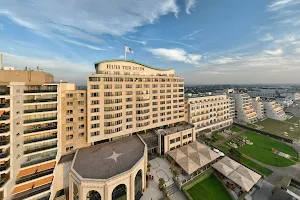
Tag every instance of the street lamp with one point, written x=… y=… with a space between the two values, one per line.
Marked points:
x=276 y=161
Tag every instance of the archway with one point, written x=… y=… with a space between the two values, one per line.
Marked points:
x=138 y=185
x=119 y=193
x=93 y=195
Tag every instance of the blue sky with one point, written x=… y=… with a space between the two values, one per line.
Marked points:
x=206 y=41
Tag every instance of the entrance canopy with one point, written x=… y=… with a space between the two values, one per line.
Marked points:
x=238 y=173
x=193 y=156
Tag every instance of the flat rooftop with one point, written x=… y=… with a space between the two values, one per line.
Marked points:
x=106 y=160
x=175 y=129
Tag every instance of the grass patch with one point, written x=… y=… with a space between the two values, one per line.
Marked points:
x=235 y=129
x=293 y=120
x=209 y=189
x=255 y=166
x=279 y=127
x=218 y=136
x=261 y=150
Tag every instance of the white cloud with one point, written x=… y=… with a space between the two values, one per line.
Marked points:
x=190 y=4
x=59 y=67
x=143 y=42
x=84 y=22
x=170 y=41
x=278 y=4
x=192 y=35
x=84 y=45
x=178 y=55
x=276 y=52
x=297 y=50
x=267 y=37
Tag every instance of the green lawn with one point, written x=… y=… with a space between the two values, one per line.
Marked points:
x=256 y=167
x=235 y=129
x=218 y=136
x=279 y=127
x=294 y=120
x=209 y=189
x=261 y=150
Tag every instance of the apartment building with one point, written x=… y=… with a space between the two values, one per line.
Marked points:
x=244 y=110
x=231 y=108
x=259 y=108
x=28 y=131
x=73 y=118
x=274 y=111
x=209 y=113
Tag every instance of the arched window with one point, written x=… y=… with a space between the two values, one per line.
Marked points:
x=93 y=195
x=119 y=193
x=138 y=185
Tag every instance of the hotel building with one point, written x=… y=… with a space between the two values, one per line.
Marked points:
x=209 y=113
x=274 y=111
x=244 y=110
x=259 y=108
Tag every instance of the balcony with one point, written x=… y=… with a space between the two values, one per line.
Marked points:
x=40 y=129
x=40 y=100
x=39 y=139
x=32 y=192
x=4 y=105
x=4 y=155
x=4 y=117
x=34 y=176
x=37 y=161
x=4 y=130
x=4 y=142
x=3 y=181
x=4 y=167
x=4 y=90
x=39 y=120
x=40 y=91
x=41 y=148
x=39 y=110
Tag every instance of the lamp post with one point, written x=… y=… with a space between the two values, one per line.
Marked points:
x=276 y=161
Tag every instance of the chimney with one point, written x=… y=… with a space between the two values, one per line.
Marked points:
x=1 y=65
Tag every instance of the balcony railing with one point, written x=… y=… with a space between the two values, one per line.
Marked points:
x=4 y=142
x=34 y=176
x=4 y=91
x=40 y=100
x=4 y=155
x=28 y=141
x=32 y=192
x=40 y=129
x=39 y=120
x=4 y=167
x=39 y=91
x=4 y=117
x=4 y=105
x=40 y=110
x=37 y=161
x=4 y=130
x=2 y=182
x=41 y=148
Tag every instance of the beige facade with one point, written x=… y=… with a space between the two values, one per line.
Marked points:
x=73 y=118
x=209 y=113
x=259 y=108
x=274 y=111
x=28 y=131
x=126 y=97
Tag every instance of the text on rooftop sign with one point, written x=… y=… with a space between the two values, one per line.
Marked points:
x=109 y=66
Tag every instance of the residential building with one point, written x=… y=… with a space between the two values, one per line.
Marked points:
x=259 y=108
x=274 y=110
x=209 y=113
x=244 y=110
x=28 y=131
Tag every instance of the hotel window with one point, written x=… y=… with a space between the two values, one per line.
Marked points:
x=93 y=118
x=94 y=86
x=69 y=137
x=154 y=97
x=70 y=148
x=95 y=133
x=128 y=126
x=106 y=79
x=80 y=118
x=69 y=128
x=128 y=85
x=129 y=113
x=81 y=126
x=178 y=139
x=185 y=136
x=107 y=86
x=69 y=103
x=154 y=103
x=81 y=110
x=155 y=115
x=128 y=99
x=129 y=120
x=69 y=120
x=189 y=135
x=118 y=86
x=93 y=110
x=69 y=95
x=128 y=92
x=95 y=102
x=155 y=121
x=95 y=94
x=172 y=141
x=81 y=94
x=94 y=78
x=80 y=102
x=95 y=125
x=80 y=134
x=128 y=106
x=69 y=112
